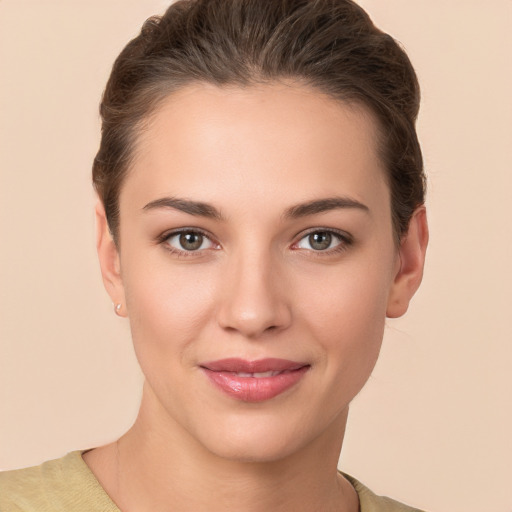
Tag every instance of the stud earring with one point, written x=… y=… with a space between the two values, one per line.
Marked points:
x=117 y=309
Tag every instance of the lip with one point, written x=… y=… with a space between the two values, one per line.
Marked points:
x=224 y=374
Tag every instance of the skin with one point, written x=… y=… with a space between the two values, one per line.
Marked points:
x=256 y=288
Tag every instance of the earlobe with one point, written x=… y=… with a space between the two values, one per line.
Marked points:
x=412 y=259
x=108 y=255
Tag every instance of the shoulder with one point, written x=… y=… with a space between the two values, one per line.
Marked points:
x=371 y=502
x=60 y=484
x=21 y=490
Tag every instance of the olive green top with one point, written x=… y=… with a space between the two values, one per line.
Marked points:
x=68 y=485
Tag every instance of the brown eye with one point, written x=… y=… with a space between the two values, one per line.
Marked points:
x=188 y=241
x=191 y=241
x=320 y=241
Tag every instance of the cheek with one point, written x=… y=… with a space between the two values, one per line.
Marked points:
x=347 y=296
x=167 y=306
x=347 y=318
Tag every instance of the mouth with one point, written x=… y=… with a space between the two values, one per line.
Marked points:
x=254 y=381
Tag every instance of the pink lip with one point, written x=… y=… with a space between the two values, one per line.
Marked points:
x=223 y=374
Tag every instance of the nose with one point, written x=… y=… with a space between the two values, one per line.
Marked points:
x=253 y=292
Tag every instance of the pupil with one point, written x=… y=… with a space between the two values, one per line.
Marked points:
x=191 y=241
x=320 y=241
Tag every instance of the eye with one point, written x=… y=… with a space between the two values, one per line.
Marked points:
x=188 y=241
x=319 y=241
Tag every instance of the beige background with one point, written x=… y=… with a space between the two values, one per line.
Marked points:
x=433 y=426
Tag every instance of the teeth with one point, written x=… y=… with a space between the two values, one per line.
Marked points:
x=258 y=375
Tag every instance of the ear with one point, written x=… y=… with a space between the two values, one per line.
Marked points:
x=108 y=255
x=411 y=260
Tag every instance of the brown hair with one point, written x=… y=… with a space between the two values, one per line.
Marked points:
x=331 y=45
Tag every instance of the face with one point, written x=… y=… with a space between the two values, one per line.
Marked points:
x=256 y=265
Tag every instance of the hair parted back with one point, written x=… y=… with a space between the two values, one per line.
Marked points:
x=331 y=45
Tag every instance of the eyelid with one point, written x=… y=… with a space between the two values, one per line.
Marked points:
x=161 y=239
x=345 y=239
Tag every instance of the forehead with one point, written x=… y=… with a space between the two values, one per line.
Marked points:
x=257 y=141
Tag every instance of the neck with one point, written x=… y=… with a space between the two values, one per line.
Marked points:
x=157 y=466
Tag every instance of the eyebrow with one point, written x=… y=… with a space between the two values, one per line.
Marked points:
x=323 y=205
x=201 y=209
x=196 y=208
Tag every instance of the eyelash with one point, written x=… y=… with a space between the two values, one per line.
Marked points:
x=345 y=241
x=183 y=253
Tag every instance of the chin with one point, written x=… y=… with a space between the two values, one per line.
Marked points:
x=253 y=451
x=258 y=440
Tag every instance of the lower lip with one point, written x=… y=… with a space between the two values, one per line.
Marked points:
x=253 y=389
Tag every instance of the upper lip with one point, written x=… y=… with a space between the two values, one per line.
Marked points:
x=261 y=365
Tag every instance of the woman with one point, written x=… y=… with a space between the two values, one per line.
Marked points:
x=260 y=214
